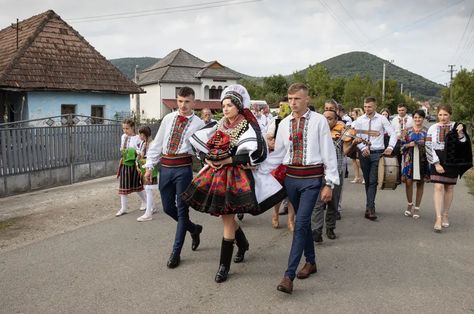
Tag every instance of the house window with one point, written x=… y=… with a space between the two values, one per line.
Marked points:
x=176 y=92
x=215 y=93
x=97 y=112
x=68 y=110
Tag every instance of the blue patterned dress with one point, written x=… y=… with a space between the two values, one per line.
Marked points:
x=408 y=155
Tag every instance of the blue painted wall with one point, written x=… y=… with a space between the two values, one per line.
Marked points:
x=47 y=104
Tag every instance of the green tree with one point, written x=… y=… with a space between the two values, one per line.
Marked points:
x=463 y=97
x=355 y=90
x=255 y=90
x=276 y=84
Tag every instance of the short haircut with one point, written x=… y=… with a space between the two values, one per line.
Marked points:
x=311 y=107
x=446 y=108
x=295 y=87
x=370 y=99
x=186 y=91
x=402 y=106
x=145 y=130
x=420 y=112
x=129 y=122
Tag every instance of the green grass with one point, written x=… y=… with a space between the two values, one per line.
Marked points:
x=469 y=176
x=7 y=223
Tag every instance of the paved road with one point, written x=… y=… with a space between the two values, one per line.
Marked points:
x=394 y=265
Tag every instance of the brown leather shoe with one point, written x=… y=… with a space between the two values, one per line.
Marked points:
x=286 y=285
x=306 y=271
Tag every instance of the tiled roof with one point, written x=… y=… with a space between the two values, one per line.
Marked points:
x=179 y=66
x=198 y=104
x=51 y=55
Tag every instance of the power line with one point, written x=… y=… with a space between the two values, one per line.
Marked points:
x=340 y=22
x=353 y=20
x=425 y=19
x=463 y=34
x=176 y=9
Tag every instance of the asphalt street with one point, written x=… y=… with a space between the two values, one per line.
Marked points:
x=394 y=265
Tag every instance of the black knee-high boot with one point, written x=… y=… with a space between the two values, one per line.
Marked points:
x=227 y=248
x=242 y=245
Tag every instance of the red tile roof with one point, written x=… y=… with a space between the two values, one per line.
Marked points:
x=198 y=104
x=51 y=55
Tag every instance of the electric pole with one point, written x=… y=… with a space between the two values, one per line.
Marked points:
x=451 y=71
x=401 y=88
x=383 y=85
x=137 y=107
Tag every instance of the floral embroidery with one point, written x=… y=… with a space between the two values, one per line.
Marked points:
x=177 y=132
x=297 y=138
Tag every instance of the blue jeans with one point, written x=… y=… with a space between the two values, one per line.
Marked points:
x=370 y=167
x=173 y=182
x=302 y=193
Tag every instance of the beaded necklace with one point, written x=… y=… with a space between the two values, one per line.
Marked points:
x=235 y=132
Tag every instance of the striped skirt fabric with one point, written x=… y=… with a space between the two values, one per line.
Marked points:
x=130 y=180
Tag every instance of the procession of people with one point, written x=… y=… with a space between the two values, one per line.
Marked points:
x=250 y=167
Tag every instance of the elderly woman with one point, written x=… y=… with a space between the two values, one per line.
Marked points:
x=228 y=185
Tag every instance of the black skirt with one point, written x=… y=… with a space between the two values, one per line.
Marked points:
x=450 y=175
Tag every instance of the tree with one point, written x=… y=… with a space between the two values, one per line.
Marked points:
x=463 y=97
x=355 y=90
x=276 y=84
x=254 y=89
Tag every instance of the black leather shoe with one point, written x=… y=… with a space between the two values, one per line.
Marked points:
x=330 y=234
x=317 y=236
x=338 y=215
x=221 y=274
x=240 y=255
x=372 y=215
x=173 y=261
x=196 y=238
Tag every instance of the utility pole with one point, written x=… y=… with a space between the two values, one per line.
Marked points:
x=383 y=85
x=137 y=107
x=401 y=88
x=451 y=71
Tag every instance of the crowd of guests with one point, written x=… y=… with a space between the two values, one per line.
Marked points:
x=296 y=163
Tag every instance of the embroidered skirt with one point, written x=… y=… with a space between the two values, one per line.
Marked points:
x=130 y=180
x=450 y=175
x=229 y=190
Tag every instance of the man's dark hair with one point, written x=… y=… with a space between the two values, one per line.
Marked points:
x=186 y=91
x=402 y=106
x=370 y=99
x=295 y=87
x=335 y=113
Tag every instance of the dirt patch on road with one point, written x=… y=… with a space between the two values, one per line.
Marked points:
x=32 y=217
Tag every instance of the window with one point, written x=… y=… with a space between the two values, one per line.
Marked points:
x=69 y=110
x=215 y=93
x=97 y=112
x=176 y=92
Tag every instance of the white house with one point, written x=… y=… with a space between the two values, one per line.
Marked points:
x=180 y=68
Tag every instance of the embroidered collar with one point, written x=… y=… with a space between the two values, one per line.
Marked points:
x=305 y=115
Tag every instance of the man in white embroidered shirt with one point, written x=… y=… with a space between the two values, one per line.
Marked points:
x=371 y=127
x=304 y=144
x=172 y=149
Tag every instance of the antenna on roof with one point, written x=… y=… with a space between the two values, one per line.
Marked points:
x=18 y=28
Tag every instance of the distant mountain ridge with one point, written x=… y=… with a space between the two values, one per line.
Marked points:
x=363 y=63
x=127 y=65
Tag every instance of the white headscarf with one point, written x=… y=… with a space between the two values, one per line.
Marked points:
x=230 y=91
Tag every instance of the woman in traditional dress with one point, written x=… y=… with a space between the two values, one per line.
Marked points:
x=415 y=167
x=354 y=155
x=228 y=185
x=450 y=155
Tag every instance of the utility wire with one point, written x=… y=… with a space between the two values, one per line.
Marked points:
x=169 y=10
x=353 y=20
x=340 y=22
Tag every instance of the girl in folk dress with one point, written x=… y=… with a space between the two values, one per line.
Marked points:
x=129 y=177
x=227 y=185
x=415 y=167
x=443 y=173
x=145 y=136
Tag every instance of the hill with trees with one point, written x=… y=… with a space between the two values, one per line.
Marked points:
x=127 y=65
x=365 y=64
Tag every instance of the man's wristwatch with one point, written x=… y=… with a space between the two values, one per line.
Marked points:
x=330 y=184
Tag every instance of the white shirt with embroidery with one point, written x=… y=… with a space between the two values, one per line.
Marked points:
x=160 y=144
x=373 y=130
x=318 y=147
x=435 y=140
x=134 y=141
x=400 y=124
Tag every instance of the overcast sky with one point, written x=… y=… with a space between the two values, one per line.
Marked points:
x=264 y=37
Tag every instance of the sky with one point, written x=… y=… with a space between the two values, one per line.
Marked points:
x=266 y=37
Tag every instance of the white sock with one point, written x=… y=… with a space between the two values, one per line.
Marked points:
x=149 y=202
x=142 y=196
x=124 y=202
